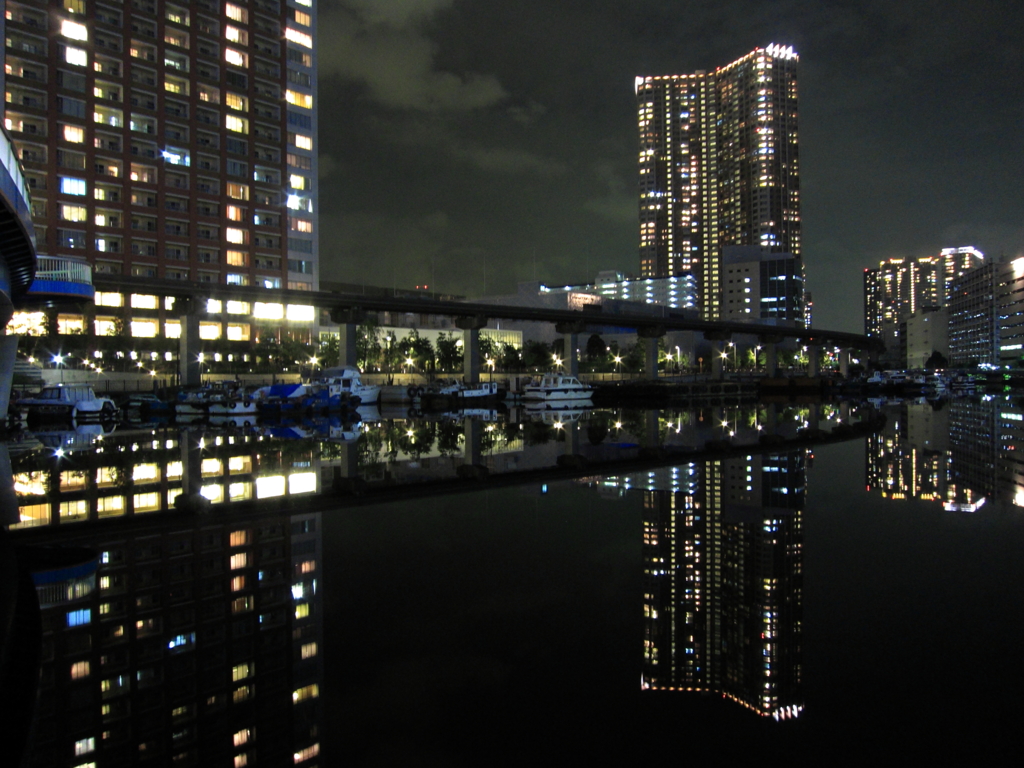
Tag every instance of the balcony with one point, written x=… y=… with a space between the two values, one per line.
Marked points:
x=61 y=278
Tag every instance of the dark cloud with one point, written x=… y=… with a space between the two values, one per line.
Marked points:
x=514 y=124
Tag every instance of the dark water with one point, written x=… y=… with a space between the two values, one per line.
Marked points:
x=554 y=622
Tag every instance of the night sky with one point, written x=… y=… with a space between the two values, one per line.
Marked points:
x=472 y=145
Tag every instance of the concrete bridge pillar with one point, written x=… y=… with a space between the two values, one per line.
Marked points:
x=571 y=340
x=844 y=411
x=572 y=438
x=9 y=512
x=8 y=354
x=651 y=433
x=348 y=320
x=844 y=362
x=471 y=346
x=813 y=360
x=650 y=335
x=771 y=360
x=572 y=360
x=814 y=416
x=189 y=368
x=473 y=431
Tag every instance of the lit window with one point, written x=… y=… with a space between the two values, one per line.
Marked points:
x=235 y=213
x=145 y=329
x=143 y=301
x=306 y=692
x=305 y=754
x=236 y=35
x=309 y=650
x=74 y=133
x=236 y=13
x=300 y=38
x=303 y=142
x=242 y=737
x=299 y=99
x=298 y=181
x=80 y=670
x=237 y=58
x=79 y=617
x=271 y=486
x=301 y=313
x=236 y=236
x=241 y=604
x=264 y=311
x=241 y=560
x=76 y=56
x=237 y=259
x=236 y=124
x=214 y=306
x=209 y=331
x=238 y=191
x=73 y=30
x=70 y=186
x=236 y=101
x=302 y=610
x=85 y=746
x=238 y=583
x=73 y=213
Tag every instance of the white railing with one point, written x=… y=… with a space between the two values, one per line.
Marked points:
x=63 y=270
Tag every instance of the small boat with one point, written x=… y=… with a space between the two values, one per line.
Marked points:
x=459 y=393
x=142 y=407
x=347 y=381
x=74 y=402
x=556 y=387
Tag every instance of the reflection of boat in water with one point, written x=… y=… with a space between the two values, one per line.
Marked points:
x=551 y=414
x=554 y=387
x=368 y=413
x=80 y=438
x=74 y=402
x=144 y=407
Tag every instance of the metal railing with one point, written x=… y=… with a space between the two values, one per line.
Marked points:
x=63 y=270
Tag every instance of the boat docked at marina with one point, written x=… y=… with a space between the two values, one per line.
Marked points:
x=346 y=381
x=73 y=402
x=556 y=387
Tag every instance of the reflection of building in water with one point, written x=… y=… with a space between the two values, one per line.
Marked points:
x=960 y=455
x=127 y=475
x=199 y=646
x=199 y=640
x=723 y=564
x=909 y=458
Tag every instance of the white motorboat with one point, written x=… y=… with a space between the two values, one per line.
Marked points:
x=347 y=380
x=76 y=402
x=554 y=387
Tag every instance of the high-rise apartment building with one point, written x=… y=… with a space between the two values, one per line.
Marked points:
x=719 y=166
x=902 y=287
x=169 y=140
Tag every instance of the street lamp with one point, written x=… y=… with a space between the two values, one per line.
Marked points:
x=618 y=362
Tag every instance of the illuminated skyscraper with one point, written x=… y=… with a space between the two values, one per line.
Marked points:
x=902 y=287
x=169 y=140
x=719 y=167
